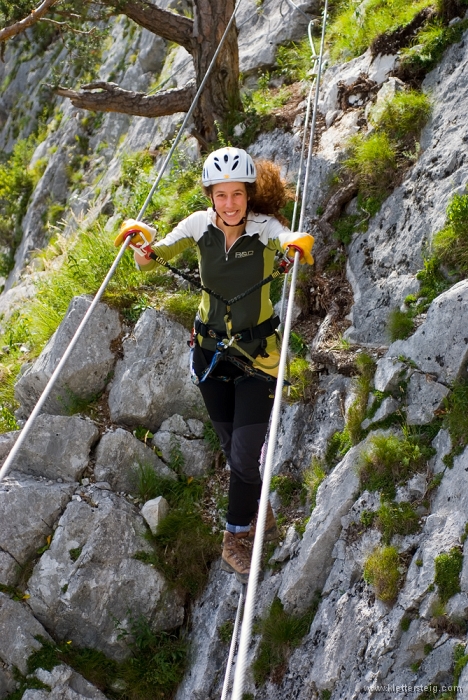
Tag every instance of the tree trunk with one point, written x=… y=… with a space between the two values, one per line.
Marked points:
x=200 y=37
x=221 y=94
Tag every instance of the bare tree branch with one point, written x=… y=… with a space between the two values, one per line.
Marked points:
x=65 y=25
x=37 y=14
x=164 y=23
x=109 y=97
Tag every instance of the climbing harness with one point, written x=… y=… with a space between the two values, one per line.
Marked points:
x=53 y=379
x=230 y=339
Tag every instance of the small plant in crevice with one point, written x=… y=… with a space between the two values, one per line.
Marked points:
x=154 y=668
x=448 y=567
x=286 y=487
x=400 y=325
x=313 y=477
x=225 y=631
x=388 y=460
x=396 y=519
x=382 y=572
x=428 y=47
x=446 y=260
x=354 y=27
x=302 y=379
x=183 y=549
x=455 y=420
x=366 y=367
x=280 y=634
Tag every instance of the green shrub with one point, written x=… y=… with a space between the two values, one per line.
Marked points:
x=429 y=46
x=301 y=377
x=185 y=546
x=396 y=519
x=356 y=412
x=372 y=160
x=17 y=182
x=356 y=25
x=448 y=566
x=460 y=660
x=154 y=669
x=294 y=61
x=286 y=487
x=388 y=460
x=225 y=631
x=313 y=477
x=404 y=115
x=381 y=571
x=405 y=623
x=450 y=245
x=400 y=325
x=456 y=416
x=280 y=634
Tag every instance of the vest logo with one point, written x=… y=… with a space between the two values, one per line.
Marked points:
x=244 y=254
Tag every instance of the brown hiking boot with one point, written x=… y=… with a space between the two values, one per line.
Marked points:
x=236 y=555
x=271 y=528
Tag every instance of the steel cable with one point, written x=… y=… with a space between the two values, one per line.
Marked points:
x=51 y=383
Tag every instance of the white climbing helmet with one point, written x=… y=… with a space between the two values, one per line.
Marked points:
x=228 y=164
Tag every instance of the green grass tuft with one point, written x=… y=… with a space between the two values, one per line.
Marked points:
x=456 y=418
x=183 y=549
x=154 y=669
x=280 y=634
x=396 y=519
x=404 y=115
x=356 y=25
x=372 y=160
x=448 y=567
x=313 y=477
x=450 y=244
x=286 y=487
x=388 y=460
x=400 y=325
x=381 y=571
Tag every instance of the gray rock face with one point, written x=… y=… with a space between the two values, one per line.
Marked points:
x=389 y=373
x=208 y=654
x=440 y=345
x=65 y=684
x=57 y=447
x=7 y=682
x=118 y=456
x=19 y=629
x=30 y=508
x=87 y=370
x=152 y=381
x=443 y=444
x=383 y=262
x=388 y=406
x=7 y=440
x=89 y=578
x=424 y=396
x=308 y=571
x=196 y=455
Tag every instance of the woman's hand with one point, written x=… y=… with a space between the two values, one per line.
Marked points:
x=303 y=243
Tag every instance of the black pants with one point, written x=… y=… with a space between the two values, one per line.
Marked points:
x=240 y=411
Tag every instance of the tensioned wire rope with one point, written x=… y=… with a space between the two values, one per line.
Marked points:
x=53 y=379
x=315 y=58
x=247 y=622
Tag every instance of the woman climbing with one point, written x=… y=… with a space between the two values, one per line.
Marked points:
x=234 y=349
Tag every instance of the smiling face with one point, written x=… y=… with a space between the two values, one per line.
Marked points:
x=230 y=201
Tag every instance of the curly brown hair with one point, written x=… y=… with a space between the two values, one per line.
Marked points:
x=269 y=193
